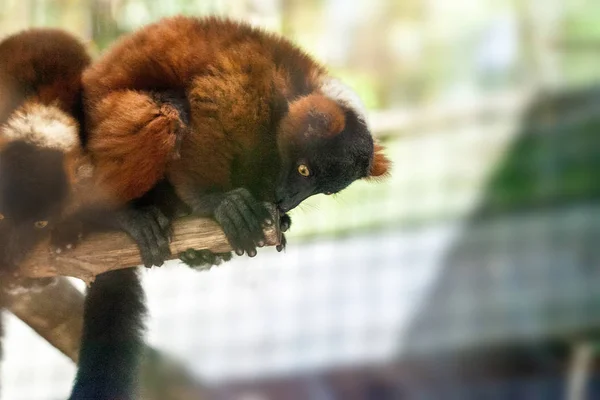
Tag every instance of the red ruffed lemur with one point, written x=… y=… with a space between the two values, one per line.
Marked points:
x=43 y=171
x=251 y=119
x=228 y=116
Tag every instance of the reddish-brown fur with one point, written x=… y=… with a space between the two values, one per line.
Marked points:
x=230 y=99
x=139 y=140
x=313 y=114
x=381 y=164
x=31 y=67
x=239 y=82
x=44 y=66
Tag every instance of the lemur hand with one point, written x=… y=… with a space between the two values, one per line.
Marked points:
x=243 y=219
x=151 y=230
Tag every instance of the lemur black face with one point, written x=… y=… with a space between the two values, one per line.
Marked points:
x=325 y=163
x=33 y=187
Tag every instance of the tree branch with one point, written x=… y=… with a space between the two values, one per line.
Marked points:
x=106 y=251
x=54 y=311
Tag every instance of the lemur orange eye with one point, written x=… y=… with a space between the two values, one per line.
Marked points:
x=303 y=170
x=40 y=224
x=1 y=216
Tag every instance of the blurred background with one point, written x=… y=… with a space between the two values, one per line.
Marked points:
x=472 y=272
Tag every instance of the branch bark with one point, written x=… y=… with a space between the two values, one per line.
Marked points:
x=105 y=251
x=55 y=312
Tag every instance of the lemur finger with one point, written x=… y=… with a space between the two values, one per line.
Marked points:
x=259 y=210
x=226 y=256
x=238 y=213
x=251 y=232
x=145 y=253
x=281 y=246
x=192 y=258
x=151 y=248
x=164 y=223
x=229 y=228
x=160 y=241
x=253 y=225
x=148 y=249
x=285 y=222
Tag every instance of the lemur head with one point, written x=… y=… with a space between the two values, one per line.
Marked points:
x=325 y=145
x=36 y=147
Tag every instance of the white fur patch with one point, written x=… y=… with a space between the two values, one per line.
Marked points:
x=341 y=93
x=42 y=125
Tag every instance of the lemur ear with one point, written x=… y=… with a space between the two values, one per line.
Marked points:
x=324 y=123
x=381 y=164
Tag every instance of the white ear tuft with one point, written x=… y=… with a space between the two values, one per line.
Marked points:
x=342 y=93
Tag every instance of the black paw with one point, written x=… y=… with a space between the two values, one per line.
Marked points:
x=151 y=230
x=66 y=235
x=203 y=259
x=243 y=218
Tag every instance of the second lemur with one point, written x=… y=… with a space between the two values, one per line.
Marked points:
x=43 y=170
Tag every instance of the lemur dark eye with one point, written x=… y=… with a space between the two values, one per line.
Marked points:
x=40 y=224
x=303 y=170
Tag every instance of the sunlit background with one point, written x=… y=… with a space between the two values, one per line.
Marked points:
x=472 y=272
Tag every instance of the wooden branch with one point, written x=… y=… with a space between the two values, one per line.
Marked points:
x=106 y=251
x=55 y=312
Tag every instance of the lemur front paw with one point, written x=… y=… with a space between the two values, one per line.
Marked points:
x=243 y=218
x=151 y=230
x=66 y=235
x=203 y=259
